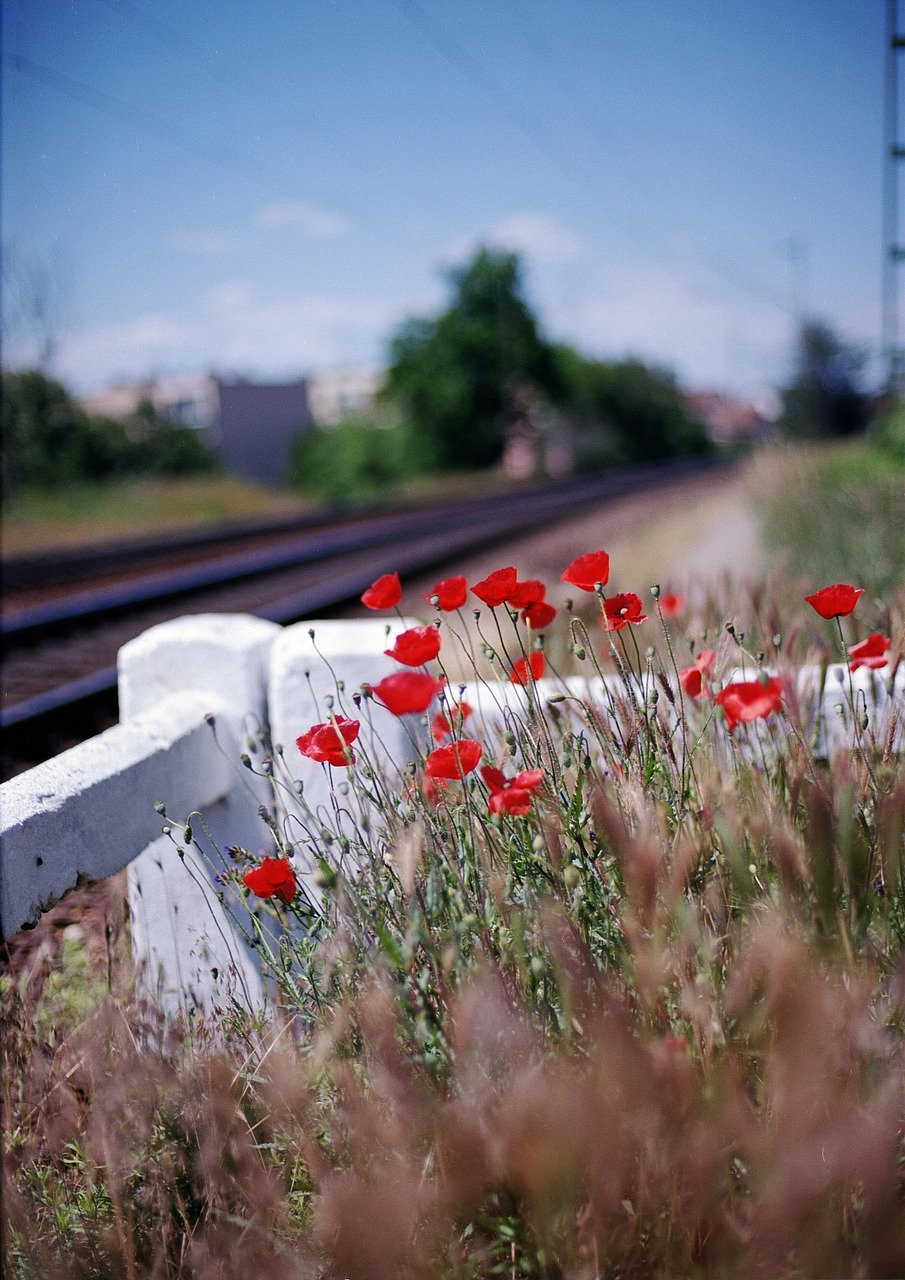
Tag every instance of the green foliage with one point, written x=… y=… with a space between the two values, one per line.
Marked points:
x=825 y=397
x=887 y=431
x=624 y=412
x=460 y=380
x=465 y=379
x=358 y=459
x=50 y=443
x=835 y=514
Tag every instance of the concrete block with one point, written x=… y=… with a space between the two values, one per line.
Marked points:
x=87 y=813
x=189 y=951
x=223 y=653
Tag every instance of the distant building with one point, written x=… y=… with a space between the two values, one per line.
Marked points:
x=728 y=421
x=250 y=426
x=346 y=393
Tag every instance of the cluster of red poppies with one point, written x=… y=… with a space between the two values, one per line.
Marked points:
x=412 y=692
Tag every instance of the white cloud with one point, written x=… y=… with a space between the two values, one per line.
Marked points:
x=237 y=328
x=664 y=317
x=535 y=236
x=304 y=215
x=186 y=240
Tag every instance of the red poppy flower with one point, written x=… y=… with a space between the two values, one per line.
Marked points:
x=539 y=615
x=692 y=678
x=588 y=570
x=274 y=878
x=622 y=609
x=692 y=681
x=749 y=700
x=407 y=692
x=495 y=588
x=706 y=661
x=671 y=604
x=415 y=646
x=511 y=795
x=526 y=593
x=385 y=593
x=871 y=652
x=326 y=743
x=451 y=594
x=836 y=601
x=519 y=673
x=454 y=760
x=442 y=725
x=434 y=789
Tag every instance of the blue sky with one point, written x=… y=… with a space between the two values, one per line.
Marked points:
x=270 y=189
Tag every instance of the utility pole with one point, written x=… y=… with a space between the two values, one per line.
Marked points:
x=893 y=251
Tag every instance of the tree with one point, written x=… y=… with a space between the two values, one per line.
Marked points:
x=50 y=443
x=623 y=412
x=825 y=397
x=35 y=293
x=460 y=380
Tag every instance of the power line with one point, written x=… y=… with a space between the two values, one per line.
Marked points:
x=525 y=120
x=532 y=127
x=226 y=157
x=224 y=73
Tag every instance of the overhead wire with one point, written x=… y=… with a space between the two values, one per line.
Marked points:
x=533 y=128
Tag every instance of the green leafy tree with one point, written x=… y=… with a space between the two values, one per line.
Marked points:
x=460 y=379
x=50 y=443
x=623 y=412
x=358 y=459
x=825 y=397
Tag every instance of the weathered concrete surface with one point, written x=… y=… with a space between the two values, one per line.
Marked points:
x=88 y=812
x=224 y=653
x=189 y=951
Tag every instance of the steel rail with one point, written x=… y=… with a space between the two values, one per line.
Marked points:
x=418 y=542
x=509 y=511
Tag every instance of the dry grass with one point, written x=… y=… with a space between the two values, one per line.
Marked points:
x=124 y=509
x=654 y=1028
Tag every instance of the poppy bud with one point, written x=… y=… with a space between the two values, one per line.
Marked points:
x=655 y=591
x=160 y=807
x=187 y=833
x=571 y=876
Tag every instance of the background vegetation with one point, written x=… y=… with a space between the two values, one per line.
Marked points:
x=834 y=513
x=49 y=443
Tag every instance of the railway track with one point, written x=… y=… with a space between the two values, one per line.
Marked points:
x=59 y=655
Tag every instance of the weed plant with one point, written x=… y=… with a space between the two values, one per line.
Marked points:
x=611 y=986
x=806 y=494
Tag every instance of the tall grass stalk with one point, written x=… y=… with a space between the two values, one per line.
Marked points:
x=653 y=1026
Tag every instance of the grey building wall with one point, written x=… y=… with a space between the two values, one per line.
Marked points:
x=256 y=424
